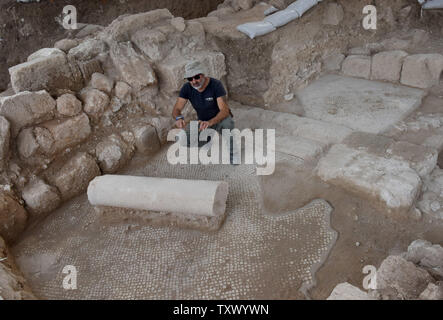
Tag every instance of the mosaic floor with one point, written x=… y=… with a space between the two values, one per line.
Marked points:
x=254 y=255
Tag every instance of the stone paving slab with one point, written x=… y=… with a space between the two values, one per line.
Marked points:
x=359 y=104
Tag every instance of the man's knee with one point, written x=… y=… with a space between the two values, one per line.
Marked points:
x=226 y=123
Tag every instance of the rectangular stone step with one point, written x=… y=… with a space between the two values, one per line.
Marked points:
x=288 y=124
x=390 y=184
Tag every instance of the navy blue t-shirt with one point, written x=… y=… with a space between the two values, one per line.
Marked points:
x=204 y=103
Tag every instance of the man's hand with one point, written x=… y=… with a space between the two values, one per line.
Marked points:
x=180 y=123
x=204 y=125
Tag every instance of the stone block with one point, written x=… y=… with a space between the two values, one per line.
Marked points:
x=122 y=27
x=63 y=133
x=66 y=44
x=26 y=109
x=427 y=256
x=45 y=52
x=95 y=102
x=406 y=279
x=162 y=125
x=387 y=65
x=134 y=69
x=357 y=66
x=422 y=70
x=146 y=140
x=40 y=198
x=88 y=49
x=46 y=73
x=112 y=153
x=27 y=144
x=178 y=23
x=123 y=91
x=69 y=105
x=73 y=178
x=101 y=82
x=333 y=62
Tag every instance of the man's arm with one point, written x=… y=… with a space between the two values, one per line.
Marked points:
x=177 y=111
x=224 y=112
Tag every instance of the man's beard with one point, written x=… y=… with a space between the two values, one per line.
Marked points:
x=198 y=87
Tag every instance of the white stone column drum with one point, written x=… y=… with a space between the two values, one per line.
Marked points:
x=196 y=197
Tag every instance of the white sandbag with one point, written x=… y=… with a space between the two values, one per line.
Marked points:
x=433 y=4
x=301 y=6
x=255 y=29
x=270 y=10
x=282 y=17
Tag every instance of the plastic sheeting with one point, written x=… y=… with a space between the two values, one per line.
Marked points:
x=283 y=17
x=301 y=6
x=254 y=29
x=433 y=4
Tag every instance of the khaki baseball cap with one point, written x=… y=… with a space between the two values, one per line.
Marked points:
x=193 y=68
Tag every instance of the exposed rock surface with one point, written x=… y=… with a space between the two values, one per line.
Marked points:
x=431 y=201
x=12 y=284
x=346 y=291
x=433 y=292
x=5 y=135
x=13 y=216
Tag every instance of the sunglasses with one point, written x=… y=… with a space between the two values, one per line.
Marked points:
x=194 y=77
